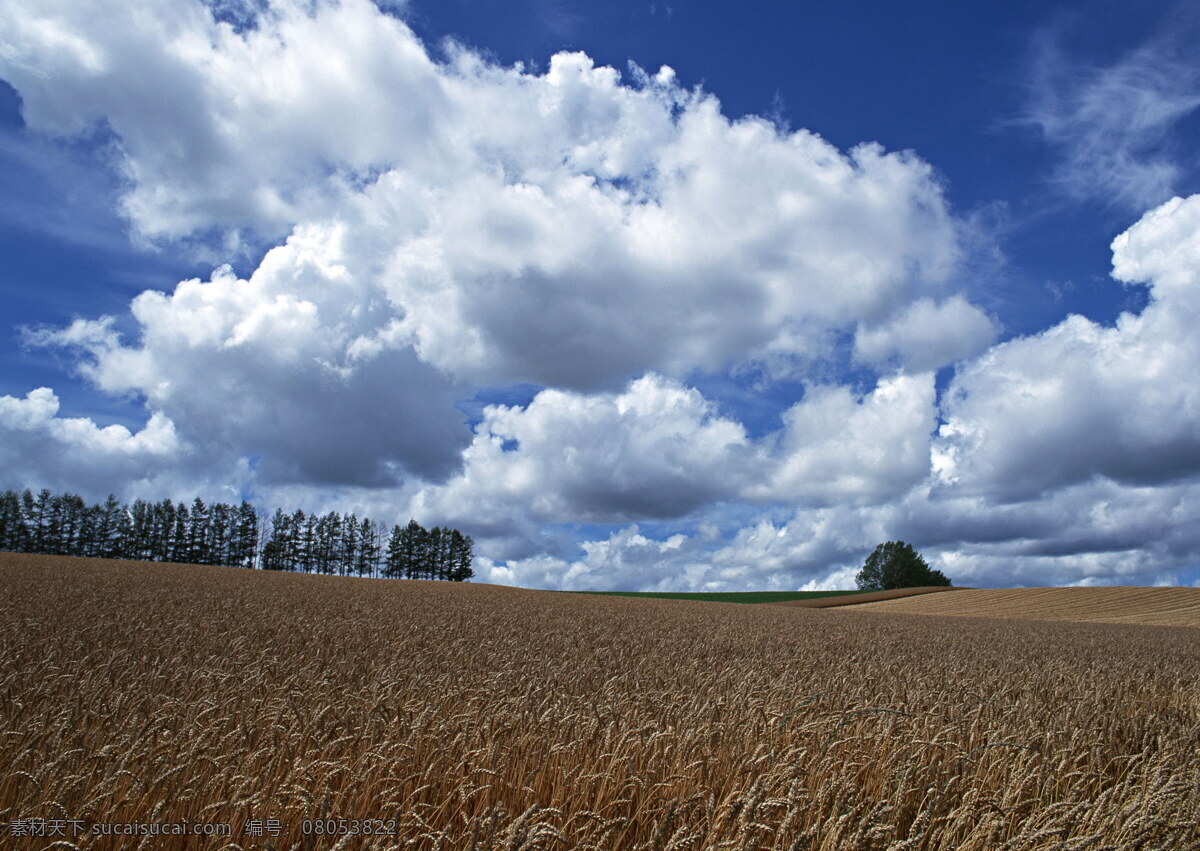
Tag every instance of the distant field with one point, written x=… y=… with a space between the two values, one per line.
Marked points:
x=723 y=596
x=1132 y=605
x=847 y=599
x=475 y=716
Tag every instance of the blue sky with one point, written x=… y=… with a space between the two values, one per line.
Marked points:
x=642 y=295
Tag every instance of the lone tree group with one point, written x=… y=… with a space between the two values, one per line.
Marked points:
x=896 y=564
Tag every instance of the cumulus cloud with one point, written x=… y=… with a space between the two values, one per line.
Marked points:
x=1100 y=532
x=220 y=126
x=1081 y=400
x=568 y=228
x=927 y=335
x=292 y=365
x=816 y=549
x=72 y=453
x=1066 y=457
x=657 y=450
x=836 y=448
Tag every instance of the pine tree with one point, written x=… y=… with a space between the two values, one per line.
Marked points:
x=246 y=536
x=414 y=551
x=461 y=556
x=137 y=546
x=89 y=525
x=198 y=533
x=110 y=529
x=433 y=553
x=71 y=515
x=222 y=534
x=53 y=542
x=165 y=530
x=366 y=555
x=425 y=554
x=349 y=544
x=12 y=526
x=35 y=518
x=179 y=545
x=393 y=565
x=332 y=550
x=274 y=551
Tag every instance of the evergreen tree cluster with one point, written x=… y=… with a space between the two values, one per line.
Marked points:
x=217 y=533
x=331 y=543
x=415 y=552
x=143 y=531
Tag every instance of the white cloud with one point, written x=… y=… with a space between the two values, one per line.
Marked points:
x=816 y=549
x=1081 y=400
x=656 y=450
x=1100 y=532
x=659 y=450
x=218 y=128
x=73 y=453
x=835 y=448
x=927 y=335
x=564 y=228
x=295 y=366
x=1067 y=457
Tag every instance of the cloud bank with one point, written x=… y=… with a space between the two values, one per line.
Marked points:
x=428 y=228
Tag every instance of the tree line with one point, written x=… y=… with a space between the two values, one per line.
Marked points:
x=221 y=534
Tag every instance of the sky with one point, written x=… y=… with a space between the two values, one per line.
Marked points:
x=641 y=295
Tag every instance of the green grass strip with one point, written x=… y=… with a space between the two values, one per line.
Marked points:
x=723 y=596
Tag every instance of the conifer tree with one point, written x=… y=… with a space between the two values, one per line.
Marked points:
x=366 y=555
x=12 y=526
x=246 y=536
x=274 y=552
x=348 y=551
x=415 y=548
x=305 y=540
x=461 y=556
x=393 y=565
x=35 y=518
x=198 y=533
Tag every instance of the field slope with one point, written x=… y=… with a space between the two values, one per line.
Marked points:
x=475 y=716
x=751 y=597
x=854 y=598
x=1118 y=604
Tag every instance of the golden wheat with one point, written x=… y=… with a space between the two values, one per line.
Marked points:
x=487 y=717
x=1146 y=606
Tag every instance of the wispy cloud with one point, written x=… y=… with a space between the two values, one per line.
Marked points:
x=560 y=17
x=1113 y=126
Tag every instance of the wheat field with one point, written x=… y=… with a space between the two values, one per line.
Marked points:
x=494 y=718
x=1147 y=606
